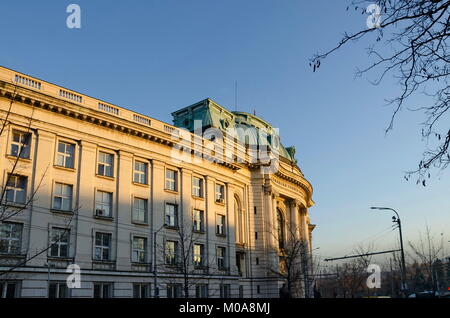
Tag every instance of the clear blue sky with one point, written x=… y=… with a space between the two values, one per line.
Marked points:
x=157 y=56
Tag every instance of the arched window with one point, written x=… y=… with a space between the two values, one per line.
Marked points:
x=281 y=233
x=240 y=221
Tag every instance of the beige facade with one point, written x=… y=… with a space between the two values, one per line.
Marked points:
x=102 y=176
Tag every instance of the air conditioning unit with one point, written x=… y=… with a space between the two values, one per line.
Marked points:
x=100 y=212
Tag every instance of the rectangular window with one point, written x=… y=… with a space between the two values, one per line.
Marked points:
x=102 y=246
x=199 y=254
x=171 y=248
x=10 y=238
x=66 y=154
x=140 y=172
x=201 y=291
x=140 y=210
x=9 y=289
x=139 y=253
x=171 y=215
x=16 y=189
x=141 y=290
x=59 y=240
x=220 y=224
x=174 y=290
x=220 y=193
x=62 y=197
x=58 y=290
x=197 y=187
x=198 y=218
x=103 y=204
x=103 y=290
x=105 y=164
x=225 y=291
x=20 y=144
x=221 y=253
x=171 y=180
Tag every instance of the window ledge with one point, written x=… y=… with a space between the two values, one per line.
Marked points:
x=100 y=261
x=106 y=218
x=145 y=185
x=171 y=191
x=198 y=198
x=221 y=235
x=139 y=223
x=15 y=205
x=220 y=203
x=27 y=160
x=64 y=168
x=199 y=232
x=104 y=177
x=67 y=212
x=171 y=227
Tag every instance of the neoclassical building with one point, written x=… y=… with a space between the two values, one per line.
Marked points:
x=141 y=207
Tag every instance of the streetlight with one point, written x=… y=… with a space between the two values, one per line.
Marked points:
x=396 y=219
x=155 y=288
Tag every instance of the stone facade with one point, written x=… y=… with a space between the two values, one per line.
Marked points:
x=106 y=178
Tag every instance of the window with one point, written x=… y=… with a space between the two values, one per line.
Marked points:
x=171 y=180
x=10 y=238
x=59 y=240
x=240 y=220
x=220 y=224
x=140 y=172
x=141 y=290
x=198 y=220
x=201 y=291
x=20 y=144
x=102 y=246
x=105 y=164
x=65 y=155
x=62 y=197
x=224 y=291
x=221 y=257
x=171 y=252
x=9 y=289
x=16 y=189
x=197 y=187
x=103 y=204
x=220 y=193
x=139 y=250
x=171 y=215
x=280 y=221
x=103 y=290
x=199 y=254
x=58 y=290
x=174 y=290
x=140 y=210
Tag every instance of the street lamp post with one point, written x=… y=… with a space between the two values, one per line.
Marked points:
x=396 y=219
x=155 y=282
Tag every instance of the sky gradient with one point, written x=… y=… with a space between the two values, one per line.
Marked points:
x=155 y=57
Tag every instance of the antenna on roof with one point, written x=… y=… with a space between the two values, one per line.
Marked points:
x=235 y=95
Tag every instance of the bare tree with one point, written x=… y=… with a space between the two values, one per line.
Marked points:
x=416 y=33
x=187 y=266
x=352 y=275
x=11 y=203
x=425 y=255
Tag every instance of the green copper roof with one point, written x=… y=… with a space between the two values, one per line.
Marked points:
x=208 y=113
